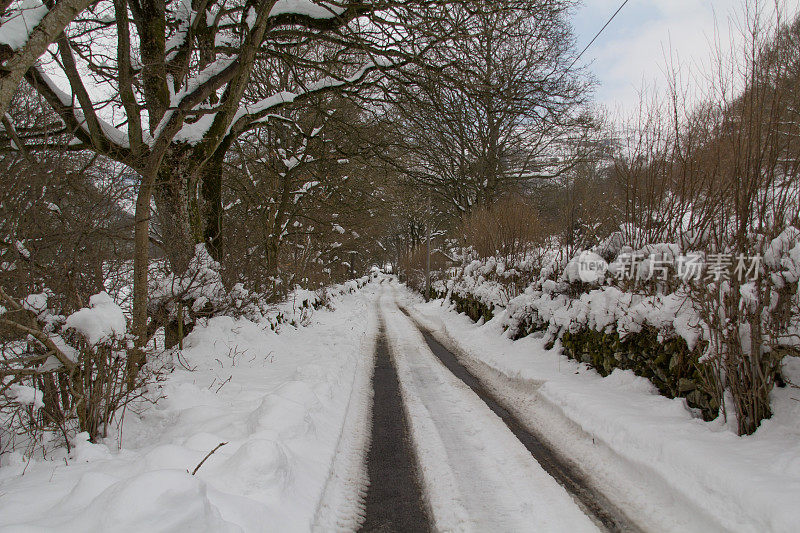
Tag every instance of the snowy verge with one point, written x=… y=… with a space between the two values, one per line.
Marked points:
x=342 y=505
x=285 y=405
x=668 y=470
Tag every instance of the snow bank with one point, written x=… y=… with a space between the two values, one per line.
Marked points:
x=279 y=402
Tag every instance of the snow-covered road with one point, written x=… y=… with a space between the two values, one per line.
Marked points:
x=294 y=410
x=476 y=474
x=649 y=455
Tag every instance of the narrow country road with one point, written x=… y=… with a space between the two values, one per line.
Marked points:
x=476 y=474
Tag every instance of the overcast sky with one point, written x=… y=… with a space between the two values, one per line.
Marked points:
x=632 y=51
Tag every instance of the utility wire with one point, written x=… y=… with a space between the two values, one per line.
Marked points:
x=598 y=34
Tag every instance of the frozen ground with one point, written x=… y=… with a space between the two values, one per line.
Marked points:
x=668 y=470
x=292 y=409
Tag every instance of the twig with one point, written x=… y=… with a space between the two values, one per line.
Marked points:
x=224 y=382
x=209 y=454
x=38 y=334
x=185 y=365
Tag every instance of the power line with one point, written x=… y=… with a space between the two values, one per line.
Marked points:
x=598 y=34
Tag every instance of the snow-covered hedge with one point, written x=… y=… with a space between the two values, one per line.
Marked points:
x=640 y=307
x=63 y=375
x=200 y=292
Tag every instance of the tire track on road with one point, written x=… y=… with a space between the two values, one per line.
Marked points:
x=596 y=505
x=394 y=499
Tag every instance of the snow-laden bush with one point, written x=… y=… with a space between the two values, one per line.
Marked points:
x=743 y=327
x=494 y=282
x=63 y=374
x=178 y=301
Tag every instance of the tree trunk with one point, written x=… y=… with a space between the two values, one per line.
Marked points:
x=170 y=194
x=174 y=221
x=141 y=262
x=271 y=249
x=211 y=208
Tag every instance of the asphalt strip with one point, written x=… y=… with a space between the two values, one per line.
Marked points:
x=394 y=499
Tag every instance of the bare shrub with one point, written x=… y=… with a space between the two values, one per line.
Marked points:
x=723 y=180
x=412 y=265
x=55 y=382
x=509 y=228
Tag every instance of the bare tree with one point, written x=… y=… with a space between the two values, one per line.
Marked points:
x=505 y=108
x=721 y=179
x=165 y=88
x=302 y=185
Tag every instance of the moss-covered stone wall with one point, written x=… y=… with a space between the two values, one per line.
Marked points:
x=473 y=308
x=530 y=323
x=668 y=364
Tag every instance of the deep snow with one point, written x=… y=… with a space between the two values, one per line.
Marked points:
x=291 y=408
